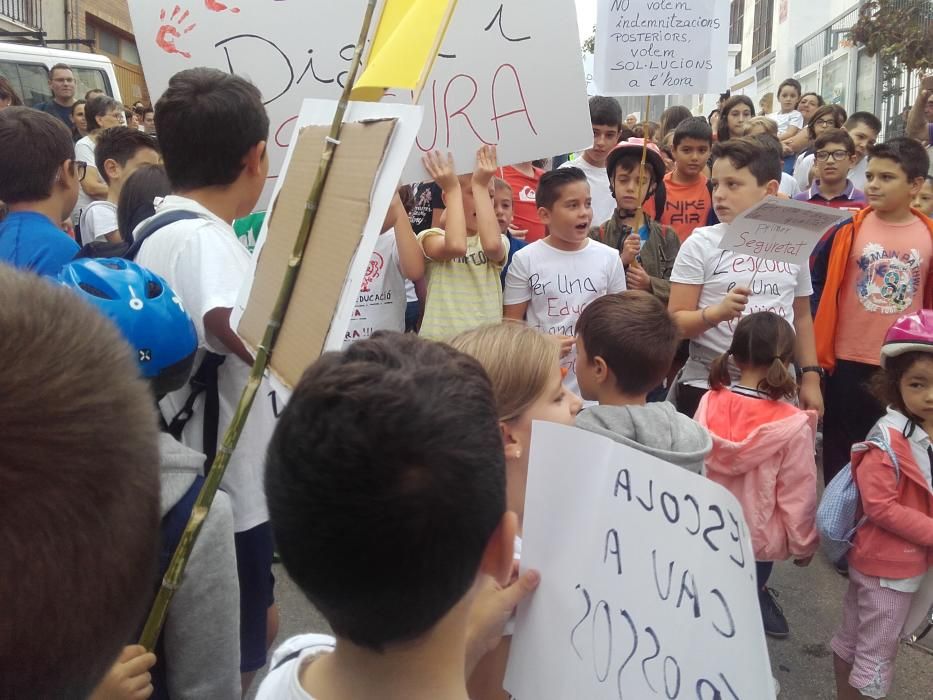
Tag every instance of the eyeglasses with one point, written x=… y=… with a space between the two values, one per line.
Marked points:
x=825 y=122
x=80 y=169
x=836 y=155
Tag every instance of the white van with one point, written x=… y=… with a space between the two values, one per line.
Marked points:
x=27 y=69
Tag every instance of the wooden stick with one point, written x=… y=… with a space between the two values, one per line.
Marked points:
x=170 y=581
x=640 y=212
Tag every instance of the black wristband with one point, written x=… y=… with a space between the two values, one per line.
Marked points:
x=814 y=368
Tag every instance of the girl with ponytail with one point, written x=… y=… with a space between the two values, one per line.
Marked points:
x=763 y=449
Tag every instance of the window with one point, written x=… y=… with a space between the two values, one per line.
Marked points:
x=31 y=81
x=113 y=43
x=761 y=34
x=737 y=26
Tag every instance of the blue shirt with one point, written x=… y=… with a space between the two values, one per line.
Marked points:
x=30 y=241
x=515 y=245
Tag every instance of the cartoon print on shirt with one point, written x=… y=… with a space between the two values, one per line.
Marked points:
x=888 y=281
x=376 y=264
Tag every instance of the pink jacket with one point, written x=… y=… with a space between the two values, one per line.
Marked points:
x=897 y=540
x=763 y=453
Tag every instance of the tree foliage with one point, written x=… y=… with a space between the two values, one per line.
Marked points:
x=897 y=29
x=589 y=44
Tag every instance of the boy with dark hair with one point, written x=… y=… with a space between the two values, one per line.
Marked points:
x=464 y=260
x=868 y=271
x=712 y=288
x=119 y=151
x=212 y=130
x=688 y=200
x=606 y=117
x=834 y=156
x=369 y=458
x=552 y=280
x=647 y=261
x=39 y=182
x=79 y=509
x=625 y=346
x=923 y=202
x=787 y=186
x=864 y=128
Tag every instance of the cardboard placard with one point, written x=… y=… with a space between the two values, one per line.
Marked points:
x=648 y=585
x=662 y=47
x=781 y=229
x=333 y=243
x=496 y=79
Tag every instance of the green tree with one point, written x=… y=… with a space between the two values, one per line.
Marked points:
x=589 y=44
x=897 y=30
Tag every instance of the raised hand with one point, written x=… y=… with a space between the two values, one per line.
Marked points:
x=442 y=170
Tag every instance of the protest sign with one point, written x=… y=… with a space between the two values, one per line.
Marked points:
x=648 y=585
x=662 y=47
x=781 y=229
x=495 y=81
x=374 y=144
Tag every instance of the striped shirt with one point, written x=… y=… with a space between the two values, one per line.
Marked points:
x=462 y=293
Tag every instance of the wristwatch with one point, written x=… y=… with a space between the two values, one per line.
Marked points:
x=814 y=368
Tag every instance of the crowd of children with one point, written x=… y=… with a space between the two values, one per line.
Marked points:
x=393 y=483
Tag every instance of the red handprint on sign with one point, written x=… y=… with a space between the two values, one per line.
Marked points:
x=169 y=31
x=217 y=6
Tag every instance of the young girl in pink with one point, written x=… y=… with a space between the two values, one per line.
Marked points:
x=893 y=548
x=763 y=449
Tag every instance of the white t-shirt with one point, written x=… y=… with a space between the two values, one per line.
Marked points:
x=381 y=303
x=789 y=186
x=205 y=265
x=98 y=219
x=802 y=169
x=558 y=285
x=84 y=151
x=775 y=287
x=283 y=682
x=786 y=120
x=603 y=203
x=857 y=173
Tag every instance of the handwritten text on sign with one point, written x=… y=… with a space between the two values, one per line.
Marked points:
x=661 y=47
x=494 y=82
x=647 y=580
x=781 y=229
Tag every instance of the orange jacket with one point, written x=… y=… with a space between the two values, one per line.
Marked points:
x=829 y=270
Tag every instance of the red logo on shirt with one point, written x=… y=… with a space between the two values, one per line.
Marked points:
x=376 y=264
x=527 y=194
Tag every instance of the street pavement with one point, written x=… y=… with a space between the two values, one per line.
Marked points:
x=802 y=663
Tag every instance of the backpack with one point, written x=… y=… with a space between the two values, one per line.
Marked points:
x=837 y=515
x=204 y=379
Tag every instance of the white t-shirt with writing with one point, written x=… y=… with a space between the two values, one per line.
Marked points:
x=205 y=265
x=380 y=305
x=559 y=284
x=603 y=202
x=97 y=219
x=775 y=286
x=283 y=682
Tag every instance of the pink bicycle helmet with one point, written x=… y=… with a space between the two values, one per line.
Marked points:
x=911 y=333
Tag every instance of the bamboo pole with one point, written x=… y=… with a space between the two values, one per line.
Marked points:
x=205 y=498
x=640 y=212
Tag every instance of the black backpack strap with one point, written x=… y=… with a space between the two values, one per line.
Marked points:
x=157 y=222
x=203 y=381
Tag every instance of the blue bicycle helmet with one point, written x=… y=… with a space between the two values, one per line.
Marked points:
x=146 y=310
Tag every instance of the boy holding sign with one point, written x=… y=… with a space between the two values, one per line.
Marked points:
x=712 y=288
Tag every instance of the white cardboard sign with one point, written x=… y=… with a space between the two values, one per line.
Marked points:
x=662 y=47
x=781 y=229
x=322 y=112
x=502 y=70
x=648 y=584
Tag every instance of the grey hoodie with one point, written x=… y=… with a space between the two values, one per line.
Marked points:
x=202 y=631
x=656 y=429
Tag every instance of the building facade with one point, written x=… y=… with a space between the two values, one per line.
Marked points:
x=101 y=26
